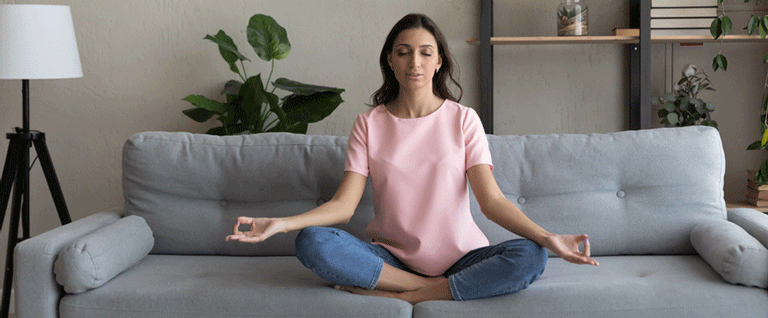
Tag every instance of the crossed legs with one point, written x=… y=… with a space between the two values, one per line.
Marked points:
x=367 y=269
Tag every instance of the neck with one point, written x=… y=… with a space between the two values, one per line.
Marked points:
x=414 y=105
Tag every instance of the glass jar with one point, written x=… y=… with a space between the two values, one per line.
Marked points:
x=572 y=18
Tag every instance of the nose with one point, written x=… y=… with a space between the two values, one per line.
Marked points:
x=415 y=61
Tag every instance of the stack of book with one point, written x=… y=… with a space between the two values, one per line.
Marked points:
x=682 y=17
x=756 y=195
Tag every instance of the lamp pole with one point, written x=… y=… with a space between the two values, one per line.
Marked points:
x=25 y=104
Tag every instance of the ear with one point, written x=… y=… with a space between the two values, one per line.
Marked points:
x=389 y=60
x=439 y=61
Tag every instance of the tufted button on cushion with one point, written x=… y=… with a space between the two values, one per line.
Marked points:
x=223 y=203
x=620 y=194
x=521 y=200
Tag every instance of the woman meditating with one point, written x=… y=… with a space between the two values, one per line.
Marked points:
x=420 y=148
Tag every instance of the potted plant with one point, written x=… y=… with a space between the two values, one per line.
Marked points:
x=682 y=107
x=251 y=107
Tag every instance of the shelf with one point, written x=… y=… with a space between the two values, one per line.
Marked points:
x=616 y=39
x=707 y=39
x=556 y=40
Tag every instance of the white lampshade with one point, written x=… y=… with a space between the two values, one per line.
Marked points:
x=38 y=42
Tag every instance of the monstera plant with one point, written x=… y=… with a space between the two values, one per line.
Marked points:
x=251 y=107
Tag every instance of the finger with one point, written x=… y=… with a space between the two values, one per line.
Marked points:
x=236 y=228
x=584 y=261
x=587 y=248
x=244 y=219
x=233 y=237
x=243 y=238
x=251 y=239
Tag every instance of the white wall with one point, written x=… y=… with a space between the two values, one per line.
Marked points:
x=141 y=57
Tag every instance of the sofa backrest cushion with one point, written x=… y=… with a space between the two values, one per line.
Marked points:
x=191 y=187
x=632 y=192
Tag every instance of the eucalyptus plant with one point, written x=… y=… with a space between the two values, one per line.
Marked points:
x=683 y=107
x=721 y=26
x=250 y=104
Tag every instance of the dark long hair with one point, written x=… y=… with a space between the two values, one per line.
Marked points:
x=391 y=87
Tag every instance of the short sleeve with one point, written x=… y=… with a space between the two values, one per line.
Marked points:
x=475 y=142
x=357 y=148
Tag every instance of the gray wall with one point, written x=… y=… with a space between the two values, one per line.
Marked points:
x=141 y=57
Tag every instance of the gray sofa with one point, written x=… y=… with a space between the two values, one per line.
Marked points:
x=651 y=202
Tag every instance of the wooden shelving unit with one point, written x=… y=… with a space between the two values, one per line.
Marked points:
x=638 y=48
x=616 y=39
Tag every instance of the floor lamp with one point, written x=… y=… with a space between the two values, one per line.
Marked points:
x=36 y=42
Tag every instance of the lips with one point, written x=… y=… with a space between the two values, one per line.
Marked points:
x=413 y=75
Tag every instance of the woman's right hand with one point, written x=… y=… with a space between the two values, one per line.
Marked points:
x=261 y=229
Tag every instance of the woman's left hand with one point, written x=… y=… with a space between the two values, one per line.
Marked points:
x=567 y=247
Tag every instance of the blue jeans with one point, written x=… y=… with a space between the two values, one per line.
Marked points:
x=343 y=259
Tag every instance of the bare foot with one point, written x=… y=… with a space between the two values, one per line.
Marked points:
x=438 y=290
x=371 y=292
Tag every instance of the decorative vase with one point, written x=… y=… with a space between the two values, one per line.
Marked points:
x=572 y=18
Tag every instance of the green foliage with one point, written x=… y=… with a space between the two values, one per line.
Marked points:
x=683 y=107
x=565 y=13
x=721 y=26
x=250 y=106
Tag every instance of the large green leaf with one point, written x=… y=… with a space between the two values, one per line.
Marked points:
x=228 y=116
x=719 y=62
x=206 y=103
x=232 y=87
x=228 y=49
x=672 y=118
x=762 y=174
x=755 y=145
x=218 y=131
x=198 y=114
x=752 y=25
x=765 y=138
x=232 y=91
x=303 y=89
x=726 y=25
x=716 y=28
x=274 y=105
x=296 y=128
x=311 y=108
x=252 y=92
x=669 y=106
x=268 y=39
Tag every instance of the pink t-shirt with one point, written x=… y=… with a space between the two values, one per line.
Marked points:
x=418 y=170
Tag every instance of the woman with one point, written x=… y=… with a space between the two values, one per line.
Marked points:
x=419 y=147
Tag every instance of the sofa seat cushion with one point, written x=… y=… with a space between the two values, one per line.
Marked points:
x=622 y=286
x=223 y=286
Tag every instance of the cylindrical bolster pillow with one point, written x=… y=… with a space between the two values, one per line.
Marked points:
x=752 y=221
x=94 y=259
x=734 y=254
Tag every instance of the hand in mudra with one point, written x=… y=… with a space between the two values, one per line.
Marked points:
x=567 y=247
x=261 y=229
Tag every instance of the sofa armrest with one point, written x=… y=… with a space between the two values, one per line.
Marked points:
x=738 y=257
x=37 y=293
x=752 y=221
